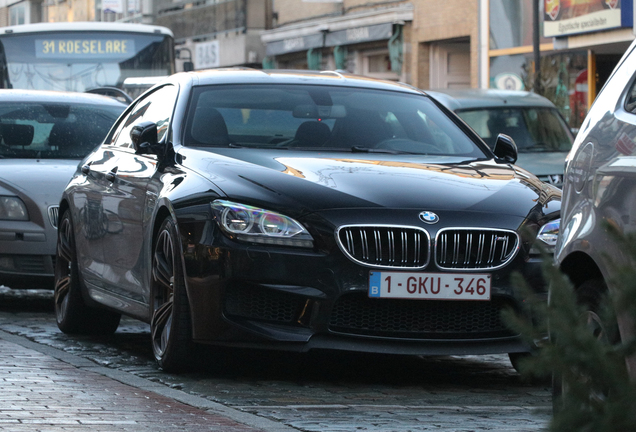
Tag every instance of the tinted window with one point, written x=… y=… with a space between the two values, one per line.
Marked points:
x=53 y=130
x=322 y=117
x=156 y=107
x=533 y=129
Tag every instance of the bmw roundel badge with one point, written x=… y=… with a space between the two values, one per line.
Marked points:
x=429 y=217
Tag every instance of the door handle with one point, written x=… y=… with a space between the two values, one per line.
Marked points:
x=86 y=169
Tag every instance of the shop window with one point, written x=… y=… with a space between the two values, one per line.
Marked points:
x=563 y=80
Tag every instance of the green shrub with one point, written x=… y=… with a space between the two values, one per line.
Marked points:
x=598 y=396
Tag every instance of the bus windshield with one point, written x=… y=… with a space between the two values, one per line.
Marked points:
x=82 y=60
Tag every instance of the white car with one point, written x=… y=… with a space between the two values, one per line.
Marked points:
x=43 y=136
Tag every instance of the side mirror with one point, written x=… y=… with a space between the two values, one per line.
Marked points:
x=144 y=138
x=505 y=149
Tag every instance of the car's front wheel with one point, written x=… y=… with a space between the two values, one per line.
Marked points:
x=71 y=312
x=170 y=325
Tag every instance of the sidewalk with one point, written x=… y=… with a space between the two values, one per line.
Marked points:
x=44 y=389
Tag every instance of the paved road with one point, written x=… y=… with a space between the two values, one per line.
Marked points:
x=326 y=392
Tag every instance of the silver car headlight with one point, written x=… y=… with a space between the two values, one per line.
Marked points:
x=12 y=208
x=547 y=236
x=257 y=225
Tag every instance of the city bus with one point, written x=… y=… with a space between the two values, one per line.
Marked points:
x=83 y=56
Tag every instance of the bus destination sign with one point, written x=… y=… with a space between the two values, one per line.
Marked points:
x=84 y=48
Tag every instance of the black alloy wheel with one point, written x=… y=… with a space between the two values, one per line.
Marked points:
x=170 y=325
x=71 y=312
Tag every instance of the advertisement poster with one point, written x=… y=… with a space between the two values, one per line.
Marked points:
x=113 y=6
x=566 y=17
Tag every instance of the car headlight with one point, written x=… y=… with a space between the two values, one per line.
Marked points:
x=258 y=225
x=548 y=235
x=12 y=208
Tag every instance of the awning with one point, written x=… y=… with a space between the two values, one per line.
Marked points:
x=339 y=31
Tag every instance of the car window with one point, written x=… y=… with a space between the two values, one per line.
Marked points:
x=532 y=129
x=325 y=117
x=53 y=130
x=156 y=107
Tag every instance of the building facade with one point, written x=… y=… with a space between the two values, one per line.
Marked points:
x=216 y=33
x=366 y=38
x=16 y=12
x=580 y=44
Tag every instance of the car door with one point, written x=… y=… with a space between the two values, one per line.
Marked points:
x=126 y=202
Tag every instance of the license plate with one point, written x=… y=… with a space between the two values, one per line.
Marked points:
x=429 y=286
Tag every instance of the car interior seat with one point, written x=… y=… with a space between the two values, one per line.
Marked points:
x=312 y=134
x=209 y=128
x=498 y=125
x=16 y=135
x=362 y=128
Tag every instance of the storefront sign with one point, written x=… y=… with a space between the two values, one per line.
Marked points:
x=113 y=6
x=508 y=81
x=566 y=17
x=359 y=34
x=294 y=44
x=206 y=55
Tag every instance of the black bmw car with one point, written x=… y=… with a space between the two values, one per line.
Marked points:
x=299 y=211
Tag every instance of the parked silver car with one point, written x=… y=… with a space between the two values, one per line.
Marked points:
x=599 y=191
x=541 y=134
x=43 y=136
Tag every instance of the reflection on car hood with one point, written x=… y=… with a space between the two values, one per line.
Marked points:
x=542 y=163
x=42 y=180
x=312 y=181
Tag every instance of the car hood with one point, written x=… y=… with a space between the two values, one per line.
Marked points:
x=315 y=181
x=39 y=180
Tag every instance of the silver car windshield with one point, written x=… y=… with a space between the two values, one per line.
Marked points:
x=30 y=130
x=532 y=129
x=307 y=117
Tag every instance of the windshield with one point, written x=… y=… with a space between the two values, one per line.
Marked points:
x=323 y=117
x=53 y=130
x=532 y=129
x=79 y=61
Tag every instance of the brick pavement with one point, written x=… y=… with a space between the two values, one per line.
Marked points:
x=41 y=393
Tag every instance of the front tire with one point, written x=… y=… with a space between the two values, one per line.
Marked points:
x=72 y=314
x=170 y=326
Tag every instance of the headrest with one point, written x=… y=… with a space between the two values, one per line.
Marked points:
x=312 y=133
x=16 y=135
x=209 y=128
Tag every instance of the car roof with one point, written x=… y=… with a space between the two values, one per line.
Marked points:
x=48 y=96
x=460 y=99
x=276 y=76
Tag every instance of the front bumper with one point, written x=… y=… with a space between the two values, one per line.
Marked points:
x=248 y=295
x=27 y=249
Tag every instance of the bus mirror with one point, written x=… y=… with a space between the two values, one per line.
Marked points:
x=188 y=66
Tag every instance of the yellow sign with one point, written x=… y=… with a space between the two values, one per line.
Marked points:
x=86 y=48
